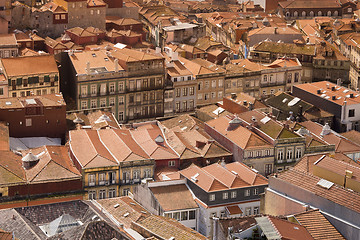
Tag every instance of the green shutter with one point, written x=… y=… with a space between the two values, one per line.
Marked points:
x=46 y=78
x=56 y=78
x=18 y=81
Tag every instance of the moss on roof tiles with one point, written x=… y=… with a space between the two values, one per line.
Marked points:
x=285 y=48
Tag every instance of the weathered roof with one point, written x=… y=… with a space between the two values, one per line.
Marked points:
x=317 y=225
x=33 y=65
x=214 y=177
x=174 y=197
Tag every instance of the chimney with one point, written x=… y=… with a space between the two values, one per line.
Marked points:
x=351 y=95
x=200 y=144
x=222 y=163
x=333 y=97
x=116 y=63
x=87 y=69
x=318 y=91
x=233 y=96
x=325 y=130
x=29 y=160
x=251 y=106
x=275 y=30
x=333 y=88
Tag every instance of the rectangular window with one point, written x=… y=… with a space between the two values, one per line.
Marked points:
x=256 y=210
x=102 y=102
x=91 y=179
x=298 y=153
x=289 y=154
x=93 y=103
x=121 y=116
x=247 y=193
x=178 y=92
x=212 y=197
x=256 y=191
x=280 y=155
x=184 y=215
x=126 y=191
x=225 y=195
x=92 y=195
x=352 y=113
x=112 y=87
x=84 y=105
x=1 y=91
x=191 y=91
x=297 y=77
x=192 y=214
x=136 y=175
x=102 y=194
x=112 y=193
x=289 y=80
x=248 y=211
x=213 y=83
x=28 y=122
x=185 y=91
x=233 y=194
x=121 y=87
x=171 y=163
x=101 y=178
x=176 y=216
x=268 y=169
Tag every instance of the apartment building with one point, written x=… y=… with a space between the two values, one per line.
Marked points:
x=337 y=100
x=183 y=85
x=28 y=76
x=246 y=146
x=35 y=116
x=113 y=163
x=210 y=80
x=129 y=81
x=224 y=190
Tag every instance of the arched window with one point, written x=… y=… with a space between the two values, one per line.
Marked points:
x=319 y=13
x=303 y=14
x=296 y=14
x=311 y=14
x=329 y=13
x=336 y=13
x=287 y=14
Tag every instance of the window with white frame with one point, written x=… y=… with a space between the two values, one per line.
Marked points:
x=184 y=215
x=248 y=211
x=112 y=101
x=247 y=193
x=121 y=100
x=84 y=104
x=233 y=194
x=112 y=193
x=101 y=178
x=93 y=103
x=102 y=102
x=92 y=195
x=83 y=90
x=126 y=191
x=91 y=179
x=280 y=154
x=147 y=173
x=212 y=197
x=256 y=210
x=171 y=163
x=136 y=174
x=213 y=83
x=256 y=191
x=93 y=89
x=112 y=177
x=225 y=195
x=289 y=154
x=298 y=153
x=102 y=194
x=112 y=87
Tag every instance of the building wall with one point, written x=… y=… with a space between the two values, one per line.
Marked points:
x=210 y=88
x=80 y=15
x=51 y=123
x=45 y=188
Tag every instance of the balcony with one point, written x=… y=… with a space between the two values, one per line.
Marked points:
x=270 y=84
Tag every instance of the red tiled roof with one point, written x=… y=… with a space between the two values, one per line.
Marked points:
x=289 y=230
x=326 y=88
x=335 y=193
x=318 y=226
x=215 y=177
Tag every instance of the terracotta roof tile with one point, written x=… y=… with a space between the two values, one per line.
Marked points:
x=335 y=193
x=215 y=177
x=289 y=230
x=318 y=226
x=174 y=197
x=24 y=66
